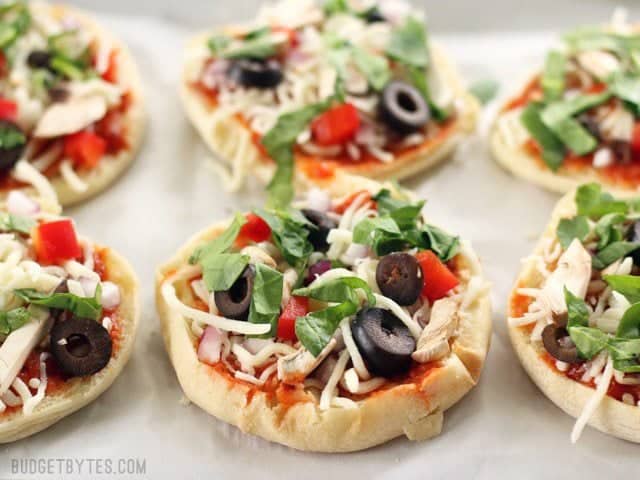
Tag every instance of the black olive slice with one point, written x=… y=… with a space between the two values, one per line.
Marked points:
x=235 y=302
x=256 y=73
x=12 y=145
x=318 y=236
x=403 y=108
x=384 y=342
x=39 y=59
x=80 y=346
x=374 y=15
x=399 y=277
x=634 y=236
x=557 y=342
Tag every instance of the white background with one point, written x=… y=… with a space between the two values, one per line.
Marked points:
x=504 y=429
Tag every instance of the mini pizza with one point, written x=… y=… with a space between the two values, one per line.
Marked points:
x=578 y=120
x=352 y=86
x=71 y=113
x=574 y=316
x=68 y=317
x=332 y=326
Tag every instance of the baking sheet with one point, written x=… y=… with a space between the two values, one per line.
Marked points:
x=504 y=429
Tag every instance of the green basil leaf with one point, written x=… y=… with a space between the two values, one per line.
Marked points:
x=333 y=7
x=571 y=228
x=553 y=77
x=16 y=223
x=84 y=307
x=279 y=143
x=484 y=90
x=627 y=88
x=403 y=212
x=627 y=285
x=16 y=20
x=445 y=246
x=418 y=78
x=220 y=271
x=365 y=230
x=338 y=290
x=11 y=137
x=575 y=137
x=375 y=68
x=290 y=232
x=69 y=45
x=13 y=320
x=259 y=47
x=577 y=310
x=625 y=354
x=613 y=252
x=408 y=44
x=553 y=150
x=629 y=326
x=221 y=243
x=266 y=297
x=595 y=38
x=218 y=43
x=593 y=203
x=609 y=229
x=315 y=329
x=589 y=341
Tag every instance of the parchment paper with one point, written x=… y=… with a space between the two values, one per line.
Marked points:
x=504 y=429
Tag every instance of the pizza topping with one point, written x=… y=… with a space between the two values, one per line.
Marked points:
x=12 y=144
x=323 y=225
x=558 y=343
x=384 y=342
x=51 y=89
x=313 y=297
x=81 y=346
x=586 y=309
x=360 y=84
x=585 y=102
x=256 y=73
x=433 y=343
x=54 y=310
x=403 y=108
x=399 y=277
x=235 y=302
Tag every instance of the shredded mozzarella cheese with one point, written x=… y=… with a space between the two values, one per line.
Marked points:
x=593 y=403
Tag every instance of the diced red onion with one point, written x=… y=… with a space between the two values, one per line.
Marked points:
x=110 y=295
x=318 y=200
x=210 y=345
x=215 y=73
x=316 y=270
x=19 y=203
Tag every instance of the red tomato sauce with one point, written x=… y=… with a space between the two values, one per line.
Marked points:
x=56 y=379
x=575 y=372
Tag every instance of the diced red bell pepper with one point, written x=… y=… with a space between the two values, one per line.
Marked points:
x=296 y=307
x=437 y=278
x=336 y=126
x=56 y=242
x=255 y=230
x=292 y=34
x=111 y=73
x=8 y=109
x=85 y=148
x=635 y=139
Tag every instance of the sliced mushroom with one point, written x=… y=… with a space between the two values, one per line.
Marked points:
x=295 y=367
x=433 y=343
x=573 y=272
x=71 y=116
